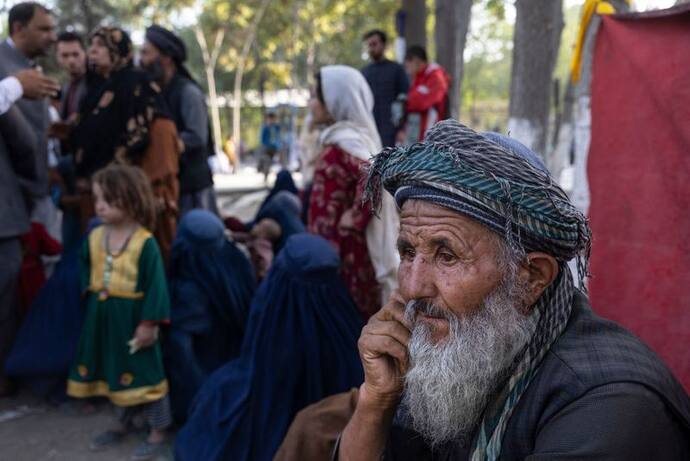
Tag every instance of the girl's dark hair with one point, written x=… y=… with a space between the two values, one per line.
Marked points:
x=128 y=188
x=319 y=88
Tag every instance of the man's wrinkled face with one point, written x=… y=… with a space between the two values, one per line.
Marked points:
x=446 y=259
x=38 y=34
x=375 y=47
x=464 y=304
x=72 y=58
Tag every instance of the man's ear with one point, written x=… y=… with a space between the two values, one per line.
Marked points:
x=537 y=272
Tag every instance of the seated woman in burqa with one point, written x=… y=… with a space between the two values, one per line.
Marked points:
x=211 y=288
x=47 y=341
x=283 y=183
x=285 y=209
x=300 y=346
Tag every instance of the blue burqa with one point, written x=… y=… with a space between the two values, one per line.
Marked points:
x=300 y=346
x=211 y=287
x=283 y=182
x=47 y=341
x=284 y=208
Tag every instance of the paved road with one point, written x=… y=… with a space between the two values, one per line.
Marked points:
x=31 y=430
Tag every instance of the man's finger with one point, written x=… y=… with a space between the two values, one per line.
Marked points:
x=393 y=311
x=394 y=329
x=376 y=346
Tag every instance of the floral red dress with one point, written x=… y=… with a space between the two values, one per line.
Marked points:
x=338 y=186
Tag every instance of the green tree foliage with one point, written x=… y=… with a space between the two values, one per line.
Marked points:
x=85 y=15
x=488 y=56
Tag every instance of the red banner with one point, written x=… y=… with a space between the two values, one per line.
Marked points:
x=639 y=177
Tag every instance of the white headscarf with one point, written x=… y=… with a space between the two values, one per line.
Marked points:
x=350 y=102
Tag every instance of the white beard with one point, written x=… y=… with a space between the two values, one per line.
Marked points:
x=449 y=383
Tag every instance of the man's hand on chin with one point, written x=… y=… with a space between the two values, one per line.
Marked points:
x=383 y=350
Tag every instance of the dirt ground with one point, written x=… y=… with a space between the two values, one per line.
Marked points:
x=33 y=430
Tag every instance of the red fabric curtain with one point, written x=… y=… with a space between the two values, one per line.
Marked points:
x=639 y=176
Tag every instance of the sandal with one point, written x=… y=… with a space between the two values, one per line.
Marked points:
x=147 y=451
x=106 y=439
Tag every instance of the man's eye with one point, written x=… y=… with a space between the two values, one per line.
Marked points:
x=446 y=257
x=407 y=253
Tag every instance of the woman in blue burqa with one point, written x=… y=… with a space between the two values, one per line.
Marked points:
x=285 y=208
x=47 y=341
x=211 y=288
x=283 y=182
x=300 y=346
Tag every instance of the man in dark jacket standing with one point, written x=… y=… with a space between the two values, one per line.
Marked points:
x=388 y=82
x=163 y=55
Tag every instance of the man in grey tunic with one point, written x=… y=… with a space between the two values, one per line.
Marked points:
x=488 y=351
x=31 y=35
x=162 y=56
x=17 y=172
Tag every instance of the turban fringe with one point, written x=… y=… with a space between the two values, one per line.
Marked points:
x=460 y=169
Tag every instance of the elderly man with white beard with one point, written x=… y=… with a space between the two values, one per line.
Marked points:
x=488 y=351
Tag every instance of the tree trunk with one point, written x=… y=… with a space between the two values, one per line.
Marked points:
x=311 y=61
x=415 y=22
x=89 y=18
x=452 y=23
x=210 y=57
x=560 y=156
x=582 y=114
x=239 y=71
x=538 y=26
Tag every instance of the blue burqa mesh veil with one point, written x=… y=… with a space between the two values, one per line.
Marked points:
x=211 y=288
x=300 y=346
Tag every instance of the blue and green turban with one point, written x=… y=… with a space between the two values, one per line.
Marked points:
x=490 y=178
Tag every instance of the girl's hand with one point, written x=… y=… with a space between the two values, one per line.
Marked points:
x=146 y=335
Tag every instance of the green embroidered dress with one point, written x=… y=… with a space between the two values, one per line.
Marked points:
x=118 y=300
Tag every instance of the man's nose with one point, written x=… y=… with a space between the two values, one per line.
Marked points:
x=417 y=279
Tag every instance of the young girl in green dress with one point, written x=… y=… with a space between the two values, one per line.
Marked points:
x=119 y=355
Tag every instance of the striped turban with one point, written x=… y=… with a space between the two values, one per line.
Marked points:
x=490 y=178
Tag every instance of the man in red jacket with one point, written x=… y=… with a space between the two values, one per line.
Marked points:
x=427 y=99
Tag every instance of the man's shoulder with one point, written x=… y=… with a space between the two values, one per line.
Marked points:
x=383 y=66
x=598 y=350
x=596 y=373
x=11 y=61
x=593 y=353
x=190 y=89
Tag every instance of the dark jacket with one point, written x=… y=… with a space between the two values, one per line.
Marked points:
x=600 y=393
x=80 y=91
x=387 y=80
x=187 y=105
